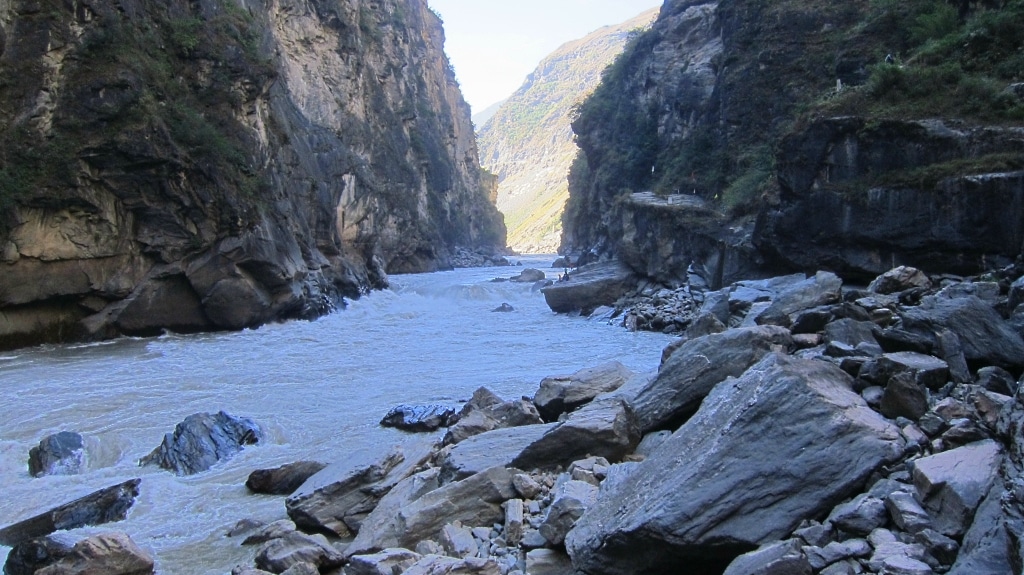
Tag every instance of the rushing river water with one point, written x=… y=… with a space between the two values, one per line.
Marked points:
x=318 y=389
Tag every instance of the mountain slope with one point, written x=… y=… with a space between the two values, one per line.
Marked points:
x=216 y=164
x=528 y=143
x=743 y=137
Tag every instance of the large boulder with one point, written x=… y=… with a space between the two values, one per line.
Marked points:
x=561 y=393
x=339 y=497
x=696 y=367
x=106 y=553
x=201 y=440
x=987 y=546
x=952 y=484
x=30 y=556
x=899 y=279
x=416 y=509
x=58 y=454
x=386 y=562
x=604 y=428
x=486 y=411
x=103 y=506
x=295 y=548
x=745 y=470
x=282 y=480
x=590 y=287
x=496 y=447
x=986 y=338
x=822 y=289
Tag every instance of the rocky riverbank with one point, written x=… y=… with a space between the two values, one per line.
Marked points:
x=820 y=429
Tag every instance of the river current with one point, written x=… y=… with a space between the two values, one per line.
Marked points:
x=318 y=389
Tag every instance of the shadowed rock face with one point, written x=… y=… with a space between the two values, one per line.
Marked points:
x=204 y=165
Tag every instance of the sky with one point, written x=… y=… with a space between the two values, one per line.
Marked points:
x=494 y=44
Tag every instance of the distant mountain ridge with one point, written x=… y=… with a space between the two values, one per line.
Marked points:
x=528 y=143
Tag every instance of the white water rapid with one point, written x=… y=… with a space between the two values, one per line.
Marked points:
x=318 y=388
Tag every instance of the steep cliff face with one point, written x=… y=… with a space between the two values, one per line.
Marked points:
x=211 y=164
x=740 y=138
x=528 y=143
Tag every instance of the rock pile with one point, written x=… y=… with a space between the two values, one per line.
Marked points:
x=797 y=427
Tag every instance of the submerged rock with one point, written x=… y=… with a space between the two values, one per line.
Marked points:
x=201 y=440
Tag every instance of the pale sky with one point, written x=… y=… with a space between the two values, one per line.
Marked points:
x=495 y=44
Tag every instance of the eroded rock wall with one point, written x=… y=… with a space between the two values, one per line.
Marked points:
x=216 y=164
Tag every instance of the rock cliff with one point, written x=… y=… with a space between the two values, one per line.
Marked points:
x=528 y=142
x=740 y=138
x=217 y=164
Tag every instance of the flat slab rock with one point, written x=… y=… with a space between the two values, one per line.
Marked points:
x=103 y=506
x=752 y=465
x=592 y=286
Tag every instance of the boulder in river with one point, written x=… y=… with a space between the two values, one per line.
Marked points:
x=736 y=497
x=590 y=287
x=561 y=393
x=529 y=275
x=103 y=506
x=58 y=454
x=30 y=556
x=201 y=440
x=420 y=418
x=899 y=279
x=282 y=480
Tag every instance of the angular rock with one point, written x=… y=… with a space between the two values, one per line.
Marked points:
x=822 y=289
x=529 y=275
x=894 y=549
x=62 y=453
x=570 y=499
x=987 y=546
x=526 y=486
x=106 y=553
x=997 y=380
x=697 y=367
x=952 y=484
x=951 y=352
x=942 y=548
x=928 y=371
x=736 y=497
x=407 y=515
x=486 y=411
x=201 y=440
x=548 y=562
x=986 y=338
x=278 y=555
x=513 y=531
x=337 y=498
x=275 y=530
x=904 y=397
x=486 y=450
x=303 y=568
x=458 y=541
x=592 y=286
x=907 y=513
x=420 y=418
x=850 y=332
x=899 y=279
x=387 y=562
x=282 y=480
x=605 y=428
x=860 y=516
x=779 y=558
x=898 y=565
x=103 y=506
x=439 y=565
x=559 y=394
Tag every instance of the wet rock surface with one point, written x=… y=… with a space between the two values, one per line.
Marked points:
x=201 y=440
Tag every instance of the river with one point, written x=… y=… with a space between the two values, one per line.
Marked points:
x=317 y=388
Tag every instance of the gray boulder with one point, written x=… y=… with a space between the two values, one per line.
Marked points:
x=899 y=279
x=604 y=428
x=927 y=371
x=106 y=553
x=904 y=397
x=103 y=506
x=416 y=509
x=486 y=411
x=570 y=499
x=294 y=548
x=590 y=287
x=696 y=367
x=282 y=480
x=752 y=466
x=561 y=393
x=481 y=452
x=201 y=440
x=440 y=565
x=420 y=418
x=386 y=562
x=986 y=337
x=987 y=546
x=58 y=454
x=337 y=498
x=822 y=289
x=27 y=557
x=860 y=516
x=529 y=275
x=548 y=562
x=952 y=484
